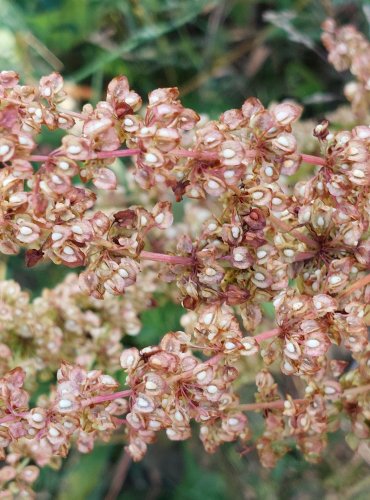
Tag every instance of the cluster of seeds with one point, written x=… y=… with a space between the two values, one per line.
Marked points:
x=248 y=238
x=349 y=49
x=65 y=323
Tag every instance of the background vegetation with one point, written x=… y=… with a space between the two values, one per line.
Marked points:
x=218 y=52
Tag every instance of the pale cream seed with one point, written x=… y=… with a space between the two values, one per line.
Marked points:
x=142 y=403
x=68 y=250
x=159 y=218
x=232 y=421
x=235 y=231
x=123 y=273
x=150 y=385
x=64 y=404
x=258 y=195
x=74 y=149
x=276 y=201
x=259 y=277
x=63 y=165
x=14 y=198
x=312 y=343
x=334 y=280
x=269 y=171
x=178 y=416
x=154 y=424
x=56 y=236
x=228 y=153
x=210 y=271
x=77 y=229
x=329 y=390
x=37 y=417
x=360 y=174
x=201 y=375
x=281 y=116
x=320 y=221
x=25 y=230
x=229 y=174
x=207 y=319
x=151 y=158
x=290 y=347
x=213 y=184
x=4 y=149
x=230 y=345
x=56 y=179
x=283 y=141
x=297 y=306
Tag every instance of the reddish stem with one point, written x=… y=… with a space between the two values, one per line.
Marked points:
x=119 y=153
x=267 y=335
x=268 y=405
x=299 y=257
x=353 y=391
x=101 y=155
x=8 y=418
x=168 y=259
x=356 y=285
x=107 y=397
x=215 y=359
x=283 y=226
x=184 y=153
x=313 y=160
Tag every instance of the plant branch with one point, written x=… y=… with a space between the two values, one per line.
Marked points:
x=313 y=160
x=168 y=259
x=353 y=391
x=107 y=397
x=356 y=285
x=101 y=155
x=267 y=335
x=268 y=405
x=283 y=226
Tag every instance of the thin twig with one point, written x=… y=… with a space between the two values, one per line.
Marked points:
x=119 y=476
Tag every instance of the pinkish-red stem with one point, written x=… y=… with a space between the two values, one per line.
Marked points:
x=168 y=259
x=7 y=418
x=313 y=160
x=120 y=153
x=268 y=405
x=107 y=397
x=184 y=153
x=284 y=226
x=365 y=280
x=267 y=335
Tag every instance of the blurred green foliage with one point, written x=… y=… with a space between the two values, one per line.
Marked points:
x=218 y=52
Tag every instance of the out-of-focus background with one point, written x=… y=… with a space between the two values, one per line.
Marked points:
x=218 y=52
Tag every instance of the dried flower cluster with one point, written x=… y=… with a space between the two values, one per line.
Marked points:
x=349 y=49
x=247 y=239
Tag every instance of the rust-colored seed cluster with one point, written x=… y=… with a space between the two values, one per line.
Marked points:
x=247 y=239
